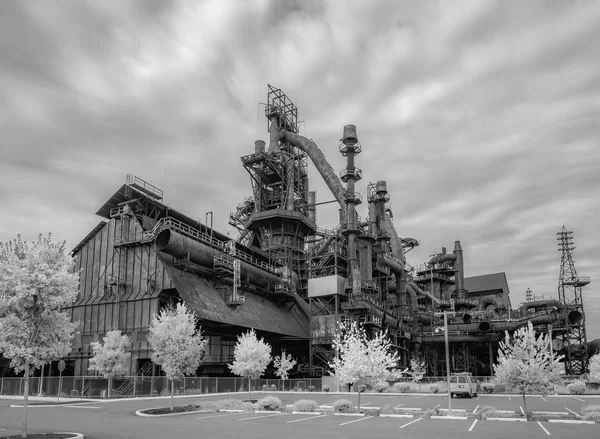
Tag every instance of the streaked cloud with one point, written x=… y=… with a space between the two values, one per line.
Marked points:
x=482 y=116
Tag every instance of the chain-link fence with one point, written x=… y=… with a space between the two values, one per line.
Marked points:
x=132 y=386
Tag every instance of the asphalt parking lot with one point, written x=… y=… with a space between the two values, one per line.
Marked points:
x=116 y=418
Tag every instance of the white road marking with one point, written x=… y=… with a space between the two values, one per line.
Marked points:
x=575 y=413
x=579 y=399
x=522 y=410
x=509 y=398
x=258 y=417
x=399 y=405
x=356 y=420
x=475 y=411
x=411 y=422
x=478 y=396
x=422 y=396
x=437 y=406
x=304 y=419
x=366 y=403
x=473 y=425
x=81 y=406
x=543 y=428
x=218 y=416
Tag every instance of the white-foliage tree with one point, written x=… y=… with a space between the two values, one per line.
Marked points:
x=525 y=363
x=283 y=364
x=361 y=360
x=36 y=281
x=594 y=375
x=111 y=358
x=417 y=370
x=251 y=356
x=178 y=346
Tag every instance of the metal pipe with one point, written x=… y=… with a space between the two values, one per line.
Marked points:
x=540 y=304
x=318 y=158
x=447 y=361
x=179 y=246
x=459 y=267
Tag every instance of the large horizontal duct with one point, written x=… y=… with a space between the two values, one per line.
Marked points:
x=461 y=338
x=540 y=304
x=177 y=245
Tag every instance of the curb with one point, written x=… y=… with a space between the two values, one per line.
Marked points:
x=507 y=419
x=231 y=411
x=550 y=413
x=569 y=421
x=147 y=415
x=267 y=411
x=394 y=415
x=307 y=413
x=449 y=417
x=348 y=414
x=76 y=435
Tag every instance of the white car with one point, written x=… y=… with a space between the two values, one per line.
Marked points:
x=462 y=384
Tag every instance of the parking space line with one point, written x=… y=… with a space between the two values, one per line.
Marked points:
x=509 y=398
x=217 y=416
x=543 y=428
x=437 y=406
x=411 y=422
x=522 y=412
x=475 y=409
x=81 y=406
x=575 y=413
x=478 y=396
x=422 y=396
x=399 y=405
x=304 y=419
x=579 y=399
x=356 y=420
x=544 y=398
x=473 y=425
x=366 y=403
x=258 y=417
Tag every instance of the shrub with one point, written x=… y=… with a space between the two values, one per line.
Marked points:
x=402 y=387
x=362 y=388
x=434 y=388
x=343 y=406
x=381 y=387
x=499 y=388
x=577 y=388
x=388 y=409
x=311 y=388
x=305 y=405
x=265 y=388
x=326 y=388
x=268 y=403
x=234 y=404
x=429 y=413
x=487 y=387
x=591 y=413
x=487 y=411
x=273 y=387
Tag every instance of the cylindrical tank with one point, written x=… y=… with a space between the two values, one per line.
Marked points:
x=574 y=317
x=259 y=146
x=177 y=245
x=349 y=136
x=594 y=347
x=558 y=344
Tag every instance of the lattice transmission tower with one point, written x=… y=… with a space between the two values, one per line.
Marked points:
x=570 y=287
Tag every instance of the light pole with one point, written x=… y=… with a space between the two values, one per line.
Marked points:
x=445 y=313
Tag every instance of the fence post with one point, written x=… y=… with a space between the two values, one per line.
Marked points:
x=134 y=385
x=216 y=385
x=1 y=385
x=184 y=385
x=82 y=385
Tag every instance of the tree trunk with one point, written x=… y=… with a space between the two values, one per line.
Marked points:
x=249 y=386
x=358 y=389
x=172 y=391
x=109 y=386
x=25 y=400
x=524 y=404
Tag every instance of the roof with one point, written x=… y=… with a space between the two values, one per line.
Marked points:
x=487 y=282
x=203 y=296
x=87 y=238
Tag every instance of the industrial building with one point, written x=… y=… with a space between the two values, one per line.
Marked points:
x=292 y=281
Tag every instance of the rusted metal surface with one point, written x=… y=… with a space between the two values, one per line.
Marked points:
x=208 y=301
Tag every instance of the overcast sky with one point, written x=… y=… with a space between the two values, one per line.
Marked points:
x=482 y=116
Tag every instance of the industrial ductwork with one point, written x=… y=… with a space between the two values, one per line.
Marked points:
x=179 y=246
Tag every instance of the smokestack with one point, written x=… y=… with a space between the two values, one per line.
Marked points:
x=259 y=146
x=459 y=267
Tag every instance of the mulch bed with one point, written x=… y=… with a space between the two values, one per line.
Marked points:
x=176 y=409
